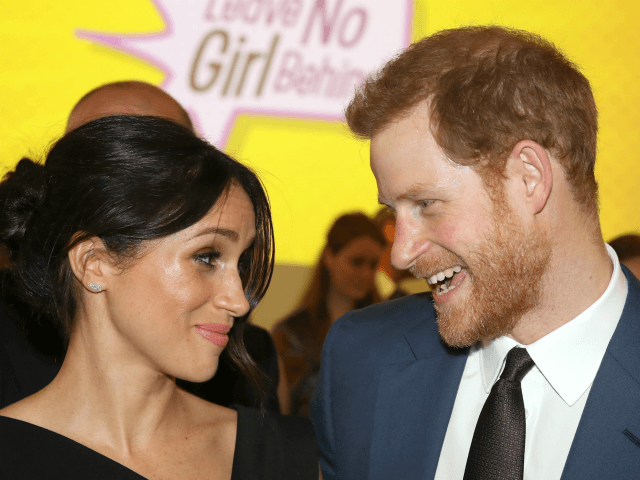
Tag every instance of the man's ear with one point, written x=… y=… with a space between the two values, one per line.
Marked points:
x=532 y=168
x=91 y=264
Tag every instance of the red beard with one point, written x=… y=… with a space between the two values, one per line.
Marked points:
x=504 y=274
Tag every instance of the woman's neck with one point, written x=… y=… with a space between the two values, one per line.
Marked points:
x=110 y=396
x=338 y=304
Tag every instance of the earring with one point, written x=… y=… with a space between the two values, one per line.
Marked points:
x=95 y=287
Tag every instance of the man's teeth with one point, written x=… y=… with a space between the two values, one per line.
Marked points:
x=442 y=289
x=440 y=276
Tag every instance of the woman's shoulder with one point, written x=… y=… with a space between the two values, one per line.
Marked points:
x=39 y=449
x=217 y=423
x=28 y=410
x=30 y=452
x=284 y=446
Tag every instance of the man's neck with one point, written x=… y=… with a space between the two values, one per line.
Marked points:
x=578 y=274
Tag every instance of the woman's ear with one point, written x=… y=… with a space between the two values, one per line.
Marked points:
x=328 y=258
x=91 y=264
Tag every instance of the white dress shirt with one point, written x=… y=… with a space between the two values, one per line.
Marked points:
x=555 y=391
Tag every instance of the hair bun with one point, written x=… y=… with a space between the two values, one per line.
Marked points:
x=22 y=193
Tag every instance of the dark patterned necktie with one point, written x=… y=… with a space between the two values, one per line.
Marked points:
x=497 y=448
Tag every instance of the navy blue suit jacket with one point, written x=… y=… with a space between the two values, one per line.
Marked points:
x=388 y=385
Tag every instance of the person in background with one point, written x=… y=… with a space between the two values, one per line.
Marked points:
x=130 y=97
x=148 y=247
x=628 y=249
x=343 y=280
x=391 y=282
x=31 y=351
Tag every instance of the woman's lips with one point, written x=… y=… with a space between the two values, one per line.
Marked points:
x=216 y=333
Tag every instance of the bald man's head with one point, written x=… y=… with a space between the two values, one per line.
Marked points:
x=127 y=98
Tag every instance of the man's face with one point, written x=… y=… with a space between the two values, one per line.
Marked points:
x=484 y=263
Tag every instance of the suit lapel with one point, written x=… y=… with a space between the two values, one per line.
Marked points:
x=413 y=408
x=607 y=442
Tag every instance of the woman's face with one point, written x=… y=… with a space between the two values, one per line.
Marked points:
x=173 y=306
x=353 y=268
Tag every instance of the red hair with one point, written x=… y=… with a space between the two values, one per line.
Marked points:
x=489 y=88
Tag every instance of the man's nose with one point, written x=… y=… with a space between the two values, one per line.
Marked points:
x=409 y=243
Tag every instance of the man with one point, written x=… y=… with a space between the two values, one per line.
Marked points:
x=127 y=98
x=483 y=142
x=30 y=359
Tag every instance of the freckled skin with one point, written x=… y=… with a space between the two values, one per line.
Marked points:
x=445 y=217
x=115 y=392
x=410 y=168
x=155 y=304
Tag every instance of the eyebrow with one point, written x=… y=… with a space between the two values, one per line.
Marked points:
x=230 y=234
x=416 y=190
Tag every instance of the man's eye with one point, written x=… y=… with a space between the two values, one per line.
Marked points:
x=425 y=203
x=207 y=258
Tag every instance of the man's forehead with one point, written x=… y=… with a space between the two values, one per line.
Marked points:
x=416 y=118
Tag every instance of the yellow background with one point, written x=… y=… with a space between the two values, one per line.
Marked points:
x=314 y=170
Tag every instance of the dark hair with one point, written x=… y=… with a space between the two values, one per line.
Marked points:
x=488 y=88
x=126 y=180
x=626 y=246
x=344 y=230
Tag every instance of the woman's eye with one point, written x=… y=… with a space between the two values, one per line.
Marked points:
x=244 y=263
x=358 y=262
x=207 y=258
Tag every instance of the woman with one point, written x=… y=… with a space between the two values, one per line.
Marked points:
x=342 y=281
x=149 y=247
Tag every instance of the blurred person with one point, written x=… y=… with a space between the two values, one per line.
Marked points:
x=390 y=281
x=527 y=362
x=149 y=257
x=131 y=97
x=33 y=351
x=343 y=280
x=627 y=248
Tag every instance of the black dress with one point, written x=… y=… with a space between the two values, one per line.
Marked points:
x=273 y=447
x=23 y=369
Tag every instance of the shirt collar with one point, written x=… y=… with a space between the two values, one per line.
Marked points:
x=570 y=356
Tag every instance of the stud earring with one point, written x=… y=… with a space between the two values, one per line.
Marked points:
x=95 y=287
